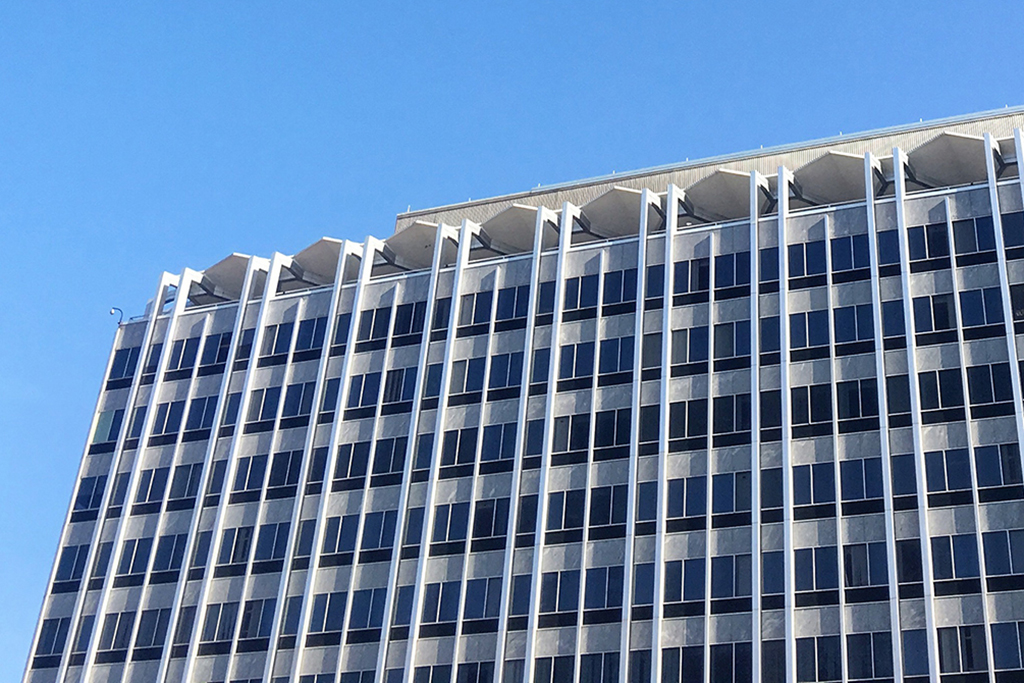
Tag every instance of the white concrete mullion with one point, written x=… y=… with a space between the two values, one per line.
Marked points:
x=782 y=190
x=968 y=420
x=672 y=202
x=756 y=183
x=443 y=234
x=708 y=449
x=834 y=393
x=269 y=294
x=544 y=216
x=648 y=201
x=347 y=249
x=166 y=280
x=899 y=182
x=369 y=249
x=466 y=232
x=1004 y=282
x=481 y=422
x=883 y=416
x=590 y=464
x=252 y=266
x=568 y=215
x=180 y=298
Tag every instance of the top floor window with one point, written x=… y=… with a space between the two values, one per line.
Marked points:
x=580 y=292
x=849 y=253
x=513 y=302
x=619 y=286
x=124 y=363
x=806 y=259
x=732 y=270
x=692 y=276
x=277 y=339
x=475 y=308
x=374 y=323
x=409 y=318
x=311 y=334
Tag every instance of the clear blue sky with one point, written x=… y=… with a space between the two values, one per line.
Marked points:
x=145 y=137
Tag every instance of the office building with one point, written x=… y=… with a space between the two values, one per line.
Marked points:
x=750 y=418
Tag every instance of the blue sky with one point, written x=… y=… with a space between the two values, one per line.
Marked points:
x=145 y=137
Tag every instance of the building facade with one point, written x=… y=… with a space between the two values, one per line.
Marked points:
x=754 y=418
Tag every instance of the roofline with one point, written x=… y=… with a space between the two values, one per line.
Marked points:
x=714 y=160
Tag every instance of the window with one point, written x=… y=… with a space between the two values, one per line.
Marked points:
x=442 y=313
x=603 y=587
x=183 y=354
x=808 y=329
x=864 y=564
x=731 y=414
x=1006 y=645
x=483 y=598
x=897 y=389
x=770 y=334
x=134 y=556
x=285 y=468
x=499 y=442
x=773 y=573
x=400 y=385
x=413 y=526
x=257 y=618
x=490 y=519
x=277 y=339
x=684 y=580
x=730 y=576
x=467 y=376
x=948 y=470
x=861 y=479
x=989 y=384
x=84 y=634
x=304 y=539
x=688 y=346
x=409 y=318
x=340 y=534
x=934 y=313
x=688 y=418
x=201 y=413
x=608 y=505
x=250 y=473
x=768 y=259
x=374 y=323
x=546 y=297
x=814 y=484
x=554 y=669
x=330 y=399
x=565 y=509
x=849 y=253
x=692 y=276
x=941 y=389
x=120 y=489
x=459 y=446
x=1004 y=552
x=170 y=551
x=819 y=659
x=231 y=408
x=612 y=427
x=643 y=584
x=476 y=672
x=451 y=522
x=109 y=424
x=298 y=399
x=245 y=343
x=527 y=518
x=368 y=608
x=151 y=485
x=571 y=433
x=892 y=319
x=854 y=323
x=124 y=363
x=72 y=562
x=888 y=248
x=981 y=307
x=599 y=668
x=168 y=417
x=439 y=673
x=812 y=404
x=915 y=652
x=328 y=613
x=90 y=493
x=732 y=270
x=730 y=492
x=153 y=359
x=646 y=501
x=928 y=241
x=869 y=655
x=559 y=591
x=379 y=530
x=519 y=597
x=311 y=334
x=997 y=465
x=272 y=541
x=506 y=370
x=576 y=360
x=513 y=302
x=580 y=292
x=263 y=404
x=650 y=350
x=235 y=545
x=201 y=551
x=972 y=235
x=908 y=561
x=1017 y=301
x=117 y=630
x=475 y=308
x=962 y=649
x=388 y=456
x=857 y=399
x=619 y=286
x=688 y=497
x=616 y=355
x=440 y=602
x=541 y=365
x=954 y=557
x=732 y=339
x=806 y=259
x=342 y=325
x=816 y=568
x=364 y=390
